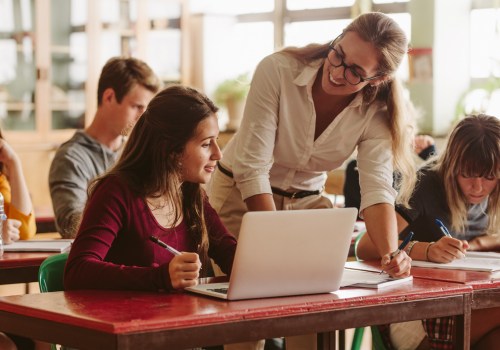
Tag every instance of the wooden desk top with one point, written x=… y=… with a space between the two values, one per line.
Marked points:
x=476 y=279
x=129 y=311
x=21 y=259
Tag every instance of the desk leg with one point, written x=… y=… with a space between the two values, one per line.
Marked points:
x=342 y=339
x=326 y=341
x=463 y=325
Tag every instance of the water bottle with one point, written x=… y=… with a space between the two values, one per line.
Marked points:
x=2 y=219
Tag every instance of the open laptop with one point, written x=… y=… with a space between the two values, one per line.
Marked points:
x=288 y=252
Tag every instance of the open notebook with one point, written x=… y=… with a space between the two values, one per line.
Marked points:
x=367 y=279
x=40 y=245
x=472 y=264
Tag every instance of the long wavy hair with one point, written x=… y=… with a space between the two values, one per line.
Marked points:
x=151 y=161
x=473 y=150
x=392 y=45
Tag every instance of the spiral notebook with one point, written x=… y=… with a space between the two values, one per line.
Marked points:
x=40 y=245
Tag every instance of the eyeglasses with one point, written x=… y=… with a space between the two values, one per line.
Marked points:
x=350 y=74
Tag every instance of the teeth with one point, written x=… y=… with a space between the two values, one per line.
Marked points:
x=335 y=82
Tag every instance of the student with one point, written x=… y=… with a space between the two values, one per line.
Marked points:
x=20 y=223
x=154 y=190
x=125 y=88
x=307 y=111
x=461 y=190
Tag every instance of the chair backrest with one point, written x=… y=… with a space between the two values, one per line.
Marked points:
x=356 y=245
x=50 y=275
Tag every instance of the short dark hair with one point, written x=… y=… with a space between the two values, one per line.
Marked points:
x=122 y=74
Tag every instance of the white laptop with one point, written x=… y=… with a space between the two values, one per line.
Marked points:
x=288 y=252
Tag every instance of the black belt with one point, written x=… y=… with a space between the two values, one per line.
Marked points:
x=293 y=195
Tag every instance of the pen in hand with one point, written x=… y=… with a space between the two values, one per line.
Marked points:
x=164 y=245
x=401 y=246
x=445 y=231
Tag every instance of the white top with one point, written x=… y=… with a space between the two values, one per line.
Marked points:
x=275 y=143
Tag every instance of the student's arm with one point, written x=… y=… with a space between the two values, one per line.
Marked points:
x=443 y=251
x=110 y=209
x=20 y=197
x=68 y=189
x=485 y=243
x=253 y=154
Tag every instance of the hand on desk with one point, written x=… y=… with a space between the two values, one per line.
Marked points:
x=447 y=249
x=184 y=270
x=485 y=243
x=11 y=231
x=398 y=267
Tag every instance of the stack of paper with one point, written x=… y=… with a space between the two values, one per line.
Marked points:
x=365 y=279
x=40 y=245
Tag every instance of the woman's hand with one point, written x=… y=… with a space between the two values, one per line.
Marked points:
x=485 y=243
x=399 y=266
x=10 y=232
x=422 y=142
x=184 y=270
x=447 y=249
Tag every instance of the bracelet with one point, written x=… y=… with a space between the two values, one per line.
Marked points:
x=427 y=250
x=410 y=246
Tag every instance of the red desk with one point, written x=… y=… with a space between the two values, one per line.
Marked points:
x=485 y=285
x=44 y=217
x=141 y=320
x=21 y=267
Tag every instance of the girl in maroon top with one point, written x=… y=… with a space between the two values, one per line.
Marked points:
x=154 y=190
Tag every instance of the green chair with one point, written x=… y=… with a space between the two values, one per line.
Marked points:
x=377 y=343
x=50 y=276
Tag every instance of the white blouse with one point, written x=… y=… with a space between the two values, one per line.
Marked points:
x=275 y=145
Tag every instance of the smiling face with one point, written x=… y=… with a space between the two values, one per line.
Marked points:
x=476 y=189
x=356 y=53
x=202 y=152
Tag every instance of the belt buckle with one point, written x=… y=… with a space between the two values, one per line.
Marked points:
x=293 y=195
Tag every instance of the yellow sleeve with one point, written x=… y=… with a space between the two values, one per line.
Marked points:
x=28 y=224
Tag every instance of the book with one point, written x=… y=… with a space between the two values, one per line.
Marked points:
x=469 y=264
x=40 y=245
x=366 y=279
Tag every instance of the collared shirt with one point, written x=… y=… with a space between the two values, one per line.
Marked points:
x=275 y=145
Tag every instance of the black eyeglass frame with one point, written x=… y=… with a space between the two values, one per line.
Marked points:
x=342 y=64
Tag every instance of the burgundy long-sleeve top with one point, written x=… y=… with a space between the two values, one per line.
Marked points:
x=112 y=249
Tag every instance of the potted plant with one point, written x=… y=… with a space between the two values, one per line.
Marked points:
x=232 y=94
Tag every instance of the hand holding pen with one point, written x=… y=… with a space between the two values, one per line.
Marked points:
x=184 y=268
x=447 y=248
x=401 y=248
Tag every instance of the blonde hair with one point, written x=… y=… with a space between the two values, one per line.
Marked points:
x=472 y=150
x=391 y=43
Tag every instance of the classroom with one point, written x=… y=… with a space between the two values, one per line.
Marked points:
x=159 y=160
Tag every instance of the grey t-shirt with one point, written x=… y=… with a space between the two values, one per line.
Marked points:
x=428 y=203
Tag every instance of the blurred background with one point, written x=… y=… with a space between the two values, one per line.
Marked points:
x=52 y=52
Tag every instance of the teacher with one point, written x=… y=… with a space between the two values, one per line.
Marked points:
x=307 y=110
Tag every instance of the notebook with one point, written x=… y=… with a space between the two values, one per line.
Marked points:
x=365 y=279
x=282 y=253
x=40 y=245
x=471 y=264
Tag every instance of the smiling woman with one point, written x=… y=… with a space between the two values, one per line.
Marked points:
x=307 y=110
x=154 y=190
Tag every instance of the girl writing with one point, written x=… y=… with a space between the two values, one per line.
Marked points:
x=154 y=190
x=459 y=188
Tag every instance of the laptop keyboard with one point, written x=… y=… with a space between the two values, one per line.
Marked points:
x=219 y=290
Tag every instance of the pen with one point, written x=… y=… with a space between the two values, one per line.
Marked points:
x=164 y=245
x=401 y=246
x=167 y=247
x=443 y=228
x=445 y=231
